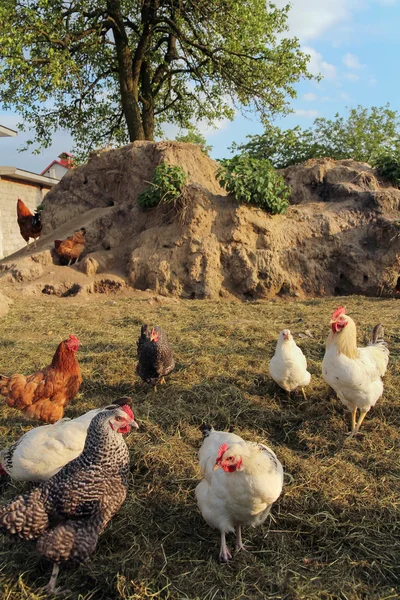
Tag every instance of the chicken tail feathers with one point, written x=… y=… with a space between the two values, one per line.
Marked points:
x=25 y=516
x=378 y=335
x=22 y=209
x=3 y=385
x=205 y=429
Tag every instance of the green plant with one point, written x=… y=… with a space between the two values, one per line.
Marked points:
x=193 y=136
x=254 y=181
x=360 y=135
x=167 y=187
x=388 y=166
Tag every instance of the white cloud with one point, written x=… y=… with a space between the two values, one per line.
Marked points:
x=310 y=97
x=351 y=61
x=351 y=76
x=307 y=114
x=310 y=19
x=372 y=80
x=318 y=65
x=344 y=96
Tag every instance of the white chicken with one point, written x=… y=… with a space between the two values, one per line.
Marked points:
x=288 y=366
x=43 y=451
x=241 y=480
x=354 y=373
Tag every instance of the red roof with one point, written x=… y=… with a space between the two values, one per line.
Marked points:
x=64 y=162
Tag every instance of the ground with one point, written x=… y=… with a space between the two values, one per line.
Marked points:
x=332 y=533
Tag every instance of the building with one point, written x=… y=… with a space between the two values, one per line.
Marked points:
x=5 y=132
x=14 y=183
x=58 y=168
x=31 y=188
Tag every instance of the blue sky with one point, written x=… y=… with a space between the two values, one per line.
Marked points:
x=354 y=44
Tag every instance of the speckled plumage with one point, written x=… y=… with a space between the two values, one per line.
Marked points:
x=156 y=359
x=67 y=513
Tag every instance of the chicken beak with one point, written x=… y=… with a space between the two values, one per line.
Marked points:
x=216 y=466
x=134 y=425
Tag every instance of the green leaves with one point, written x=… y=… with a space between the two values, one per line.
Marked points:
x=388 y=165
x=60 y=69
x=362 y=136
x=193 y=136
x=254 y=181
x=166 y=187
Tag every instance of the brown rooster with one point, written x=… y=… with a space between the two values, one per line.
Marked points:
x=44 y=395
x=72 y=247
x=30 y=225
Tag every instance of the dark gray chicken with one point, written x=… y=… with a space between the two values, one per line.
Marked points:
x=155 y=355
x=67 y=513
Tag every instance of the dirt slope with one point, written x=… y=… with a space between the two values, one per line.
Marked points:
x=341 y=234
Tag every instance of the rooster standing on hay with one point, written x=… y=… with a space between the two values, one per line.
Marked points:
x=354 y=373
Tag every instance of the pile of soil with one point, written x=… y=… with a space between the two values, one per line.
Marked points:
x=341 y=234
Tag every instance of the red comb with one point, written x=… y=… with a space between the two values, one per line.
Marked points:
x=339 y=311
x=73 y=338
x=128 y=411
x=221 y=451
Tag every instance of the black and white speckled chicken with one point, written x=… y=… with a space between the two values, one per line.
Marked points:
x=67 y=513
x=155 y=355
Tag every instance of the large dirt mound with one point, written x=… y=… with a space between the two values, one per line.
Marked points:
x=341 y=234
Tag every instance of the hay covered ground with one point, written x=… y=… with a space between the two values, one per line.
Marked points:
x=333 y=532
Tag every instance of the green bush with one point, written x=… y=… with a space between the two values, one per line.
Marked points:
x=388 y=166
x=254 y=181
x=166 y=187
x=360 y=135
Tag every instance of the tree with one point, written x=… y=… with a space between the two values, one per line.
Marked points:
x=363 y=135
x=110 y=71
x=193 y=136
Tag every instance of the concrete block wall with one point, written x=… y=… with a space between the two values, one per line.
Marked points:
x=31 y=194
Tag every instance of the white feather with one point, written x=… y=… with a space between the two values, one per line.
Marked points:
x=288 y=366
x=245 y=496
x=43 y=451
x=357 y=382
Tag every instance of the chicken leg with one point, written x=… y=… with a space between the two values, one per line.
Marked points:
x=224 y=554
x=304 y=394
x=356 y=428
x=238 y=543
x=353 y=420
x=162 y=381
x=50 y=588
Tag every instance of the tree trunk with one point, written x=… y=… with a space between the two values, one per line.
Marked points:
x=127 y=83
x=148 y=101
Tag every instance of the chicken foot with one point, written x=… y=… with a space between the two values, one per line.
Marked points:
x=224 y=554
x=50 y=588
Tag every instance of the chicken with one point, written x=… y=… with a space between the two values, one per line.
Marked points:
x=354 y=373
x=241 y=481
x=44 y=395
x=43 y=451
x=30 y=225
x=72 y=247
x=288 y=366
x=155 y=355
x=66 y=514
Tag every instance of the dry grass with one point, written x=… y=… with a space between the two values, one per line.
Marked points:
x=334 y=531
